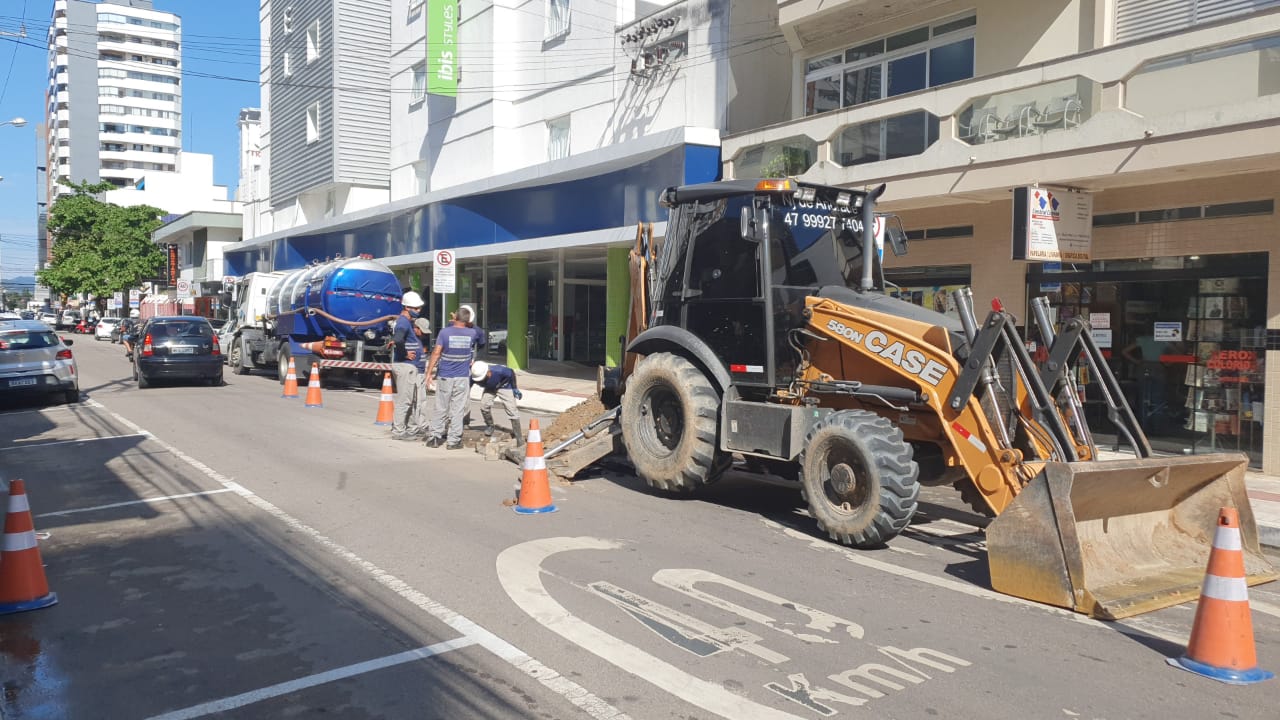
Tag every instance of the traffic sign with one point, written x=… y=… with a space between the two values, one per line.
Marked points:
x=184 y=289
x=444 y=272
x=134 y=297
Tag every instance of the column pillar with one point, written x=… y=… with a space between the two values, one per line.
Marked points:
x=617 y=303
x=517 y=313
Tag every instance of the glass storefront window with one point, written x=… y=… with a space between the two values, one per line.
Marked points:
x=1185 y=337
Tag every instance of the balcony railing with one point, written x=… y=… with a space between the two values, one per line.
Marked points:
x=1198 y=79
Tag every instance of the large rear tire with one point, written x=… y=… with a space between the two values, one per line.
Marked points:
x=858 y=478
x=670 y=412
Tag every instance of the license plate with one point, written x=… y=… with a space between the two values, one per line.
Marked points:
x=20 y=382
x=180 y=350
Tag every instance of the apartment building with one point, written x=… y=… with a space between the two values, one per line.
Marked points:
x=323 y=137
x=1157 y=121
x=114 y=99
x=529 y=138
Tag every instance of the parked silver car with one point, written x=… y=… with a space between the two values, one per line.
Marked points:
x=34 y=360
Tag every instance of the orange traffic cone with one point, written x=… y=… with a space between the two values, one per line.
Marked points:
x=313 y=388
x=387 y=405
x=1221 y=645
x=22 y=582
x=290 y=382
x=535 y=490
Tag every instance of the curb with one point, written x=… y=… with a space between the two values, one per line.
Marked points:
x=1269 y=536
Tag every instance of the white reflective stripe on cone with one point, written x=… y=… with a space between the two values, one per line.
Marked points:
x=535 y=463
x=14 y=542
x=534 y=436
x=1227 y=538
x=18 y=503
x=1230 y=589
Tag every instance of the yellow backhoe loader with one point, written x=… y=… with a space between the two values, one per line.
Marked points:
x=761 y=334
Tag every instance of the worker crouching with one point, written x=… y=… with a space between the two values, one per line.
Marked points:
x=497 y=382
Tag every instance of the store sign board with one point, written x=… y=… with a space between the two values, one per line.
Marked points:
x=444 y=272
x=442 y=47
x=1167 y=332
x=1052 y=225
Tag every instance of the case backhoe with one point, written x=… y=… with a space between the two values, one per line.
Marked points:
x=761 y=333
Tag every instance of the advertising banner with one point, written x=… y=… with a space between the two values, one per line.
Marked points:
x=442 y=47
x=1052 y=225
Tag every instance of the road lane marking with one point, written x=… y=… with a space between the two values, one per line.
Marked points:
x=143 y=434
x=144 y=501
x=577 y=695
x=291 y=686
x=861 y=558
x=519 y=570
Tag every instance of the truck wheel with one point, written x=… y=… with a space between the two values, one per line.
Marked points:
x=282 y=364
x=236 y=360
x=670 y=413
x=858 y=478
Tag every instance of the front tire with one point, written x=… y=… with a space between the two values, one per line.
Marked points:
x=670 y=412
x=858 y=478
x=236 y=360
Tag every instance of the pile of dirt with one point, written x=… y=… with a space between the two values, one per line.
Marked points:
x=573 y=420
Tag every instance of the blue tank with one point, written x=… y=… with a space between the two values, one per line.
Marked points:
x=318 y=301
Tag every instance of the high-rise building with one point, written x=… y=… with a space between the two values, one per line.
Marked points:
x=114 y=110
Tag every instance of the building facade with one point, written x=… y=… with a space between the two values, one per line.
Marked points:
x=114 y=111
x=1164 y=115
x=552 y=136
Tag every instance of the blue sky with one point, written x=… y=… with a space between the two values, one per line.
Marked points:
x=219 y=37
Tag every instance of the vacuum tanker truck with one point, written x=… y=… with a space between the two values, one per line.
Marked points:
x=337 y=315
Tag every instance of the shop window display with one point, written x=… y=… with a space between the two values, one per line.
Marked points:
x=1184 y=337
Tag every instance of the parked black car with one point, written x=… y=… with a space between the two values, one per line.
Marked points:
x=178 y=348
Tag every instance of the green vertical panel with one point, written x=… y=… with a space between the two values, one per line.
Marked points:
x=618 y=304
x=517 y=313
x=442 y=47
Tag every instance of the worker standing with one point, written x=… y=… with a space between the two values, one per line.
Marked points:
x=453 y=353
x=497 y=382
x=408 y=366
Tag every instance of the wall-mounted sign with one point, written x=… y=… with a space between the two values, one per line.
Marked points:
x=442 y=47
x=1052 y=225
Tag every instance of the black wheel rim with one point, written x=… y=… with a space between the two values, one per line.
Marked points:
x=666 y=419
x=845 y=483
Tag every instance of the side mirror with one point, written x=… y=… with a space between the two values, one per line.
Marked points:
x=897 y=239
x=68 y=341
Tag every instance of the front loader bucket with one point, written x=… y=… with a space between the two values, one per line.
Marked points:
x=1121 y=537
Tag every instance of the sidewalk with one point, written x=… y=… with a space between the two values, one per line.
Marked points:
x=553 y=387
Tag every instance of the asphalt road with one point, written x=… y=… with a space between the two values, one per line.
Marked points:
x=225 y=552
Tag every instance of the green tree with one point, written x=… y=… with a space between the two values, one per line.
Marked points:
x=97 y=247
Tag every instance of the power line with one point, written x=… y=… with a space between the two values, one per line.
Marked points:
x=613 y=76
x=13 y=56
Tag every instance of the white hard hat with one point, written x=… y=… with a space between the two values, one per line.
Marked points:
x=411 y=299
x=479 y=369
x=470 y=311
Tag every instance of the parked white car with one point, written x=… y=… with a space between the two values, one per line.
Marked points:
x=102 y=331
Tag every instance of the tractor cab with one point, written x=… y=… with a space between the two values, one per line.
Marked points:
x=741 y=256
